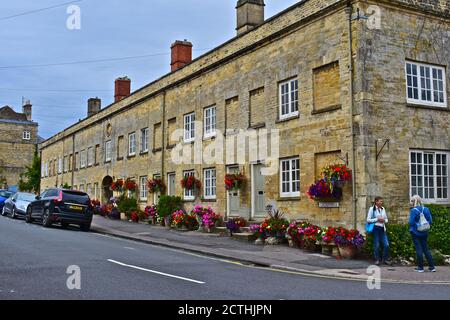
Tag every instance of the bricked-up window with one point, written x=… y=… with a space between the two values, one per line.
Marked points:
x=132 y=144
x=120 y=147
x=66 y=163
x=189 y=194
x=97 y=154
x=233 y=114
x=290 y=177
x=70 y=162
x=429 y=176
x=90 y=156
x=96 y=191
x=157 y=136
x=26 y=135
x=257 y=110
x=327 y=87
x=144 y=140
x=83 y=159
x=288 y=93
x=425 y=84
x=209 y=182
x=189 y=127
x=108 y=153
x=143 y=190
x=171 y=127
x=209 y=122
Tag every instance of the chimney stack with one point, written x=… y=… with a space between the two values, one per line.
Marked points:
x=181 y=54
x=26 y=109
x=250 y=14
x=122 y=88
x=94 y=106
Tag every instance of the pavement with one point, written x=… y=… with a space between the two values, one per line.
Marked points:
x=41 y=263
x=279 y=257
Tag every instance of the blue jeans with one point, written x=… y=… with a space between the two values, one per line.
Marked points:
x=422 y=248
x=379 y=235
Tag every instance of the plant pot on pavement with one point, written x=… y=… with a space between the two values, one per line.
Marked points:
x=167 y=222
x=347 y=252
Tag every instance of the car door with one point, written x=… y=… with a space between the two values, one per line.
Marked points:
x=36 y=206
x=9 y=204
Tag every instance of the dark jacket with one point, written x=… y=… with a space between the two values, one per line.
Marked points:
x=414 y=217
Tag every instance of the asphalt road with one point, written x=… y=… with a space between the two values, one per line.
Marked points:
x=34 y=262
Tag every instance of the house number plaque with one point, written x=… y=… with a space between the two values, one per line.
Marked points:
x=328 y=204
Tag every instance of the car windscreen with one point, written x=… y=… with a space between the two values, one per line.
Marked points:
x=5 y=194
x=26 y=197
x=76 y=197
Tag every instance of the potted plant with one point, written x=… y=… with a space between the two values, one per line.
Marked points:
x=156 y=185
x=234 y=181
x=327 y=240
x=152 y=213
x=210 y=220
x=166 y=206
x=311 y=235
x=329 y=188
x=191 y=183
x=348 y=242
x=118 y=185
x=234 y=225
x=130 y=185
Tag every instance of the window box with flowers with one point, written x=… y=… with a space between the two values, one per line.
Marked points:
x=329 y=188
x=191 y=183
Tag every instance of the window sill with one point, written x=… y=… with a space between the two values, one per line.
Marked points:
x=297 y=198
x=131 y=156
x=258 y=125
x=209 y=138
x=170 y=146
x=107 y=161
x=327 y=109
x=288 y=119
x=189 y=200
x=143 y=153
x=208 y=200
x=156 y=150
x=423 y=106
x=119 y=158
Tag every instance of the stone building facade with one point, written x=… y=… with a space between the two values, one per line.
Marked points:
x=358 y=82
x=18 y=144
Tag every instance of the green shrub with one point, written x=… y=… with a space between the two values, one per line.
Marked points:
x=439 y=237
x=168 y=205
x=126 y=205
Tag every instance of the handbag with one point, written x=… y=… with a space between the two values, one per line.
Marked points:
x=370 y=225
x=423 y=225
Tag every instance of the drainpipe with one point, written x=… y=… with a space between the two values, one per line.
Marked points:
x=163 y=128
x=349 y=11
x=73 y=160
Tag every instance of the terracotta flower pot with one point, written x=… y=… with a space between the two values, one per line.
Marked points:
x=167 y=222
x=347 y=252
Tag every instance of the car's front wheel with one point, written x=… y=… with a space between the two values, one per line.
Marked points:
x=85 y=227
x=13 y=213
x=46 y=222
x=28 y=218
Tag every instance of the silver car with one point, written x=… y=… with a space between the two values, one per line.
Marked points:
x=17 y=204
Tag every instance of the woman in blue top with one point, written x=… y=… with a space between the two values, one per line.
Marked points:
x=420 y=237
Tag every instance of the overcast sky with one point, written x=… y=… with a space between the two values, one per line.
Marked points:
x=109 y=29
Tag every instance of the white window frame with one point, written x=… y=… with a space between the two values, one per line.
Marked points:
x=189 y=127
x=132 y=144
x=424 y=86
x=434 y=176
x=291 y=180
x=26 y=135
x=108 y=151
x=209 y=183
x=83 y=159
x=188 y=194
x=60 y=165
x=209 y=122
x=90 y=156
x=144 y=140
x=289 y=99
x=169 y=186
x=143 y=189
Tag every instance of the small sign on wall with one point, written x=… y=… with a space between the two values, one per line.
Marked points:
x=328 y=204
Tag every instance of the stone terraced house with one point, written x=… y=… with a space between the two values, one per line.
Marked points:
x=18 y=144
x=362 y=83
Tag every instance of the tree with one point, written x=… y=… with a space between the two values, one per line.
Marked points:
x=32 y=176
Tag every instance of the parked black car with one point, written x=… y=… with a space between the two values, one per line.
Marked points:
x=61 y=206
x=16 y=205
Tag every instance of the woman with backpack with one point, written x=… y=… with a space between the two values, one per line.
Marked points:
x=419 y=225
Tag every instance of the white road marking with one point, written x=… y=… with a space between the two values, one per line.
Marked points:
x=156 y=272
x=129 y=248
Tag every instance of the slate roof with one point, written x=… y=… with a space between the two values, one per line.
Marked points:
x=7 y=113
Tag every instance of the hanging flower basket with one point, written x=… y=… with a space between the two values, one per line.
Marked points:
x=118 y=185
x=156 y=185
x=234 y=181
x=191 y=183
x=130 y=185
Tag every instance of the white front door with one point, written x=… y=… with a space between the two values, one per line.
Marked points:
x=233 y=198
x=258 y=192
